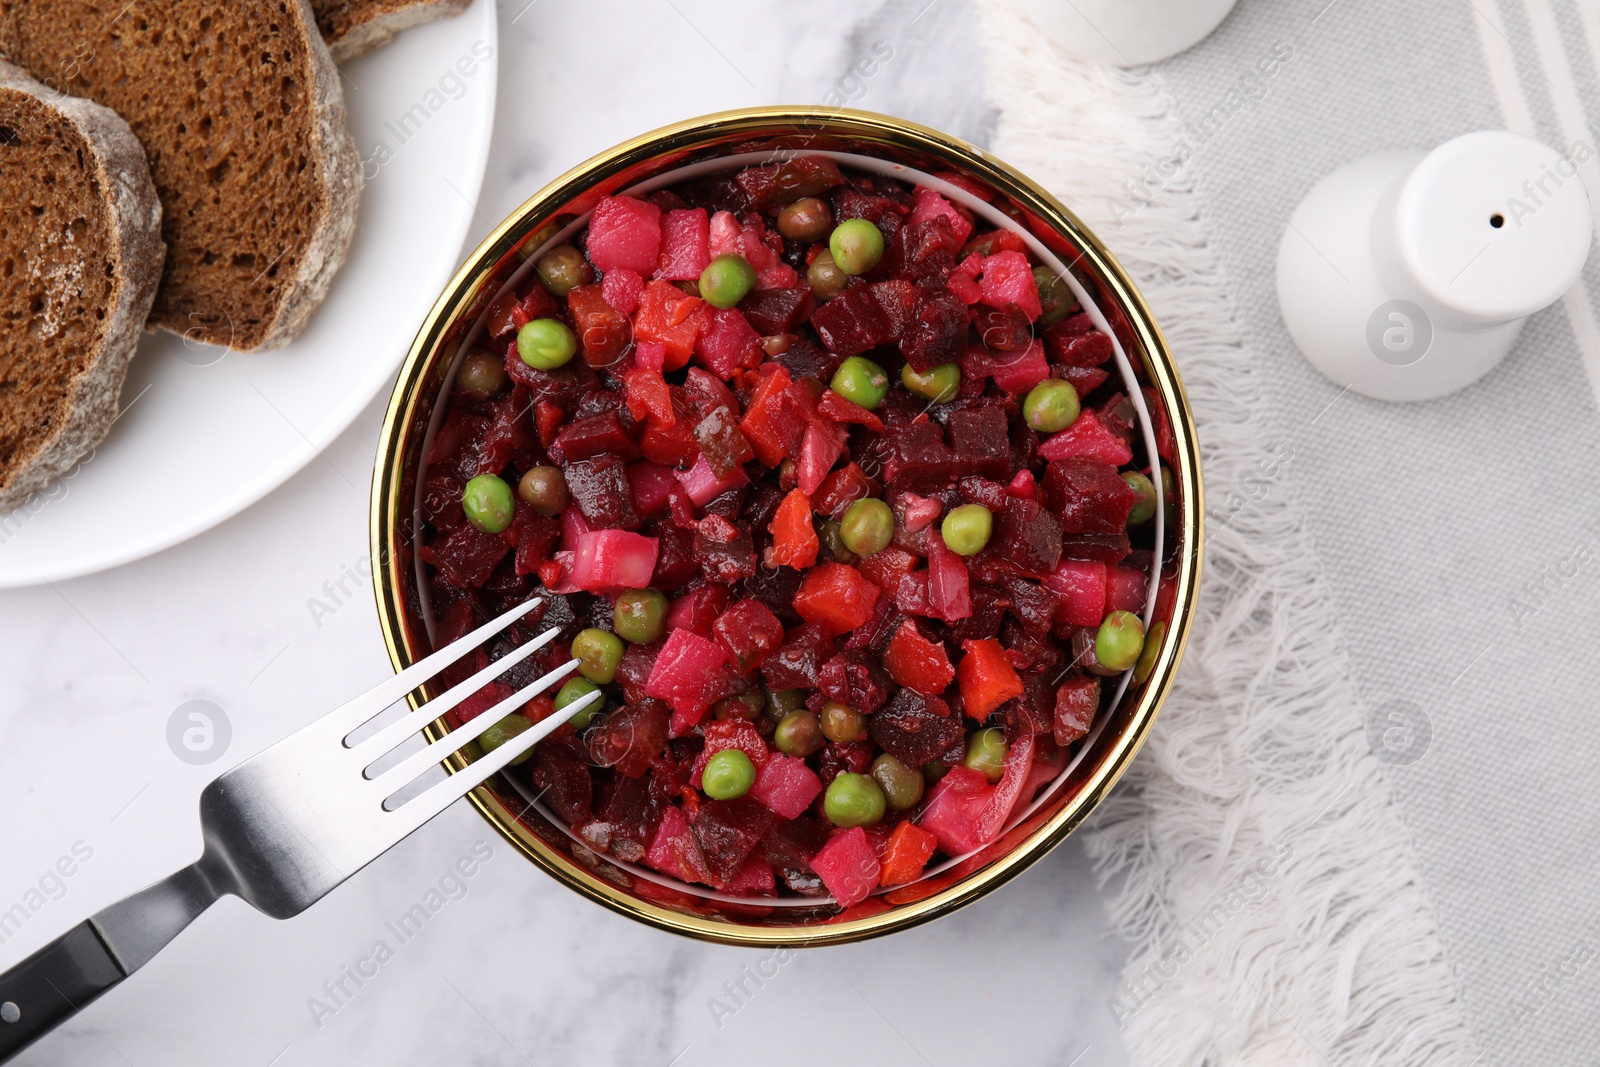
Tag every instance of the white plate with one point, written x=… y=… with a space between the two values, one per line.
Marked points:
x=206 y=432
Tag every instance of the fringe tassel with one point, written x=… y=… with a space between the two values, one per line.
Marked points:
x=1267 y=881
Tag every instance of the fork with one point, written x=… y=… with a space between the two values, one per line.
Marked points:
x=284 y=827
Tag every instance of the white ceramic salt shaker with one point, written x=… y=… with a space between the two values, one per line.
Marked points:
x=1126 y=33
x=1408 y=275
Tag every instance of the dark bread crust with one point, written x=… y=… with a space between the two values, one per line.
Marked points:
x=355 y=27
x=240 y=109
x=84 y=247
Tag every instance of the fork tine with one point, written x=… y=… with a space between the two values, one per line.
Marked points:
x=396 y=732
x=347 y=716
x=420 y=809
x=401 y=773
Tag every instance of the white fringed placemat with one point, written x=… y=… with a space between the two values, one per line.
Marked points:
x=1363 y=831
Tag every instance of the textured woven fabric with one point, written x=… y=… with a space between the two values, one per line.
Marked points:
x=1448 y=554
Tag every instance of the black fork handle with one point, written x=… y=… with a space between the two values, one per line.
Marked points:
x=52 y=985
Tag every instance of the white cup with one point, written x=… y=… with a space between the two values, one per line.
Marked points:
x=1126 y=33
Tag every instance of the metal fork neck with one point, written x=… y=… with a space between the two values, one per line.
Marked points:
x=138 y=927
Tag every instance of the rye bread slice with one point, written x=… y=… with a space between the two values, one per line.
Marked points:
x=80 y=257
x=239 y=107
x=356 y=27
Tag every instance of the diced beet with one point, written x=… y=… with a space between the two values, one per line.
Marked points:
x=632 y=813
x=726 y=560
x=918 y=459
x=1125 y=589
x=602 y=330
x=965 y=813
x=1088 y=438
x=979 y=438
x=650 y=483
x=728 y=831
x=835 y=759
x=836 y=597
x=855 y=679
x=624 y=232
x=536 y=538
x=1033 y=605
x=937 y=330
x=749 y=632
x=1107 y=548
x=606 y=560
x=791 y=179
x=560 y=770
x=1018 y=374
x=481 y=701
x=467 y=555
x=819 y=451
x=698 y=609
x=786 y=785
x=1077 y=701
x=848 y=866
x=674 y=851
x=685 y=252
x=675 y=562
x=621 y=288
x=1004 y=329
x=602 y=491
x=775 y=311
x=804 y=359
x=854 y=321
x=633 y=672
x=755 y=879
x=597 y=435
x=630 y=737
x=1076 y=343
x=1081 y=585
x=728 y=343
x=841 y=488
x=927 y=204
x=914 y=728
x=1026 y=536
x=1088 y=496
x=798 y=662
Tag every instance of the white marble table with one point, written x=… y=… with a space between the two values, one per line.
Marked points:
x=512 y=968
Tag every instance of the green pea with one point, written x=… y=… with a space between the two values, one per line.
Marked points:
x=487 y=502
x=1119 y=641
x=598 y=654
x=746 y=705
x=546 y=344
x=727 y=280
x=832 y=535
x=798 y=734
x=857 y=245
x=1152 y=648
x=807 y=219
x=867 y=526
x=727 y=775
x=481 y=372
x=902 y=786
x=853 y=800
x=825 y=277
x=934 y=770
x=784 y=701
x=1144 y=509
x=563 y=269
x=575 y=690
x=1055 y=296
x=504 y=731
x=986 y=752
x=860 y=381
x=1169 y=494
x=966 y=529
x=842 y=724
x=544 y=489
x=640 y=615
x=939 y=384
x=1052 y=405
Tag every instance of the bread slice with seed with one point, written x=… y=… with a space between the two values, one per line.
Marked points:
x=356 y=27
x=80 y=258
x=239 y=107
